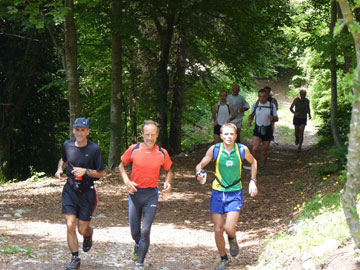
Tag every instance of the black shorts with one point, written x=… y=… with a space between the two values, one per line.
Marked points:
x=82 y=204
x=299 y=121
x=217 y=129
x=268 y=136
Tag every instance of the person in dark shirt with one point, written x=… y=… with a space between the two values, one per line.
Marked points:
x=84 y=165
x=300 y=107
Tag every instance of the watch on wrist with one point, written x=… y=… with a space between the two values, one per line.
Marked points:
x=253 y=179
x=87 y=171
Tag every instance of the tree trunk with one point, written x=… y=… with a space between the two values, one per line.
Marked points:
x=162 y=76
x=352 y=186
x=72 y=76
x=333 y=71
x=178 y=95
x=6 y=125
x=133 y=98
x=346 y=49
x=116 y=88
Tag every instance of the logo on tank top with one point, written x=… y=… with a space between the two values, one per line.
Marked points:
x=229 y=163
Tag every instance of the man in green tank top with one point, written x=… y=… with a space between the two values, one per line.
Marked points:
x=227 y=195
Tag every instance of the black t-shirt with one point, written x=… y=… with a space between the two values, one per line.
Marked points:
x=88 y=157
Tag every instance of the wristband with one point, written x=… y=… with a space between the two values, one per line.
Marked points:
x=253 y=179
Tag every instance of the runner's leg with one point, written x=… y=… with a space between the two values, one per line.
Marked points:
x=85 y=229
x=301 y=135
x=71 y=232
x=264 y=153
x=296 y=134
x=219 y=222
x=149 y=212
x=238 y=132
x=135 y=212
x=230 y=223
x=217 y=138
x=256 y=146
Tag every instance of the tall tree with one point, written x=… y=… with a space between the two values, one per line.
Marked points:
x=333 y=71
x=178 y=93
x=71 y=68
x=116 y=86
x=165 y=29
x=352 y=186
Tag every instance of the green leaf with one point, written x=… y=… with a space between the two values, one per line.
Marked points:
x=355 y=28
x=12 y=10
x=339 y=26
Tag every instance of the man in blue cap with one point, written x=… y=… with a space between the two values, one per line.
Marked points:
x=84 y=165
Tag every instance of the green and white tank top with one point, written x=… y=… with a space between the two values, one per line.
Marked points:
x=228 y=170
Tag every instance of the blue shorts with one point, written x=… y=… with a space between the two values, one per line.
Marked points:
x=225 y=202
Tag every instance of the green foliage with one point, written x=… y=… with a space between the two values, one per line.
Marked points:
x=320 y=203
x=11 y=250
x=14 y=249
x=320 y=219
x=333 y=165
x=36 y=176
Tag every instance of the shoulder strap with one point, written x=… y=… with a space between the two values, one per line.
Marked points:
x=228 y=106
x=241 y=150
x=270 y=107
x=162 y=152
x=216 y=151
x=256 y=105
x=135 y=147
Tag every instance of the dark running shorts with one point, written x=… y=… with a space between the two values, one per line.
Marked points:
x=225 y=202
x=81 y=204
x=268 y=134
x=299 y=121
x=217 y=129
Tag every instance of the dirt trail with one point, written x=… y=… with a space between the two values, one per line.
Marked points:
x=182 y=234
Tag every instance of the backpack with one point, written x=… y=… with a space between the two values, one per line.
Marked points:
x=240 y=148
x=241 y=151
x=268 y=107
x=228 y=106
x=138 y=147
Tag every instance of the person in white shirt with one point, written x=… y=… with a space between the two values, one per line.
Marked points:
x=223 y=112
x=240 y=106
x=265 y=114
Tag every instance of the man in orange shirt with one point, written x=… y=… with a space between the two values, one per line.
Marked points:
x=147 y=158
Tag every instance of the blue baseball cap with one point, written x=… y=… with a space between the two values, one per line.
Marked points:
x=81 y=122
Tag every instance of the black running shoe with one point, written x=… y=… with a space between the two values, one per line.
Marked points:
x=87 y=243
x=74 y=264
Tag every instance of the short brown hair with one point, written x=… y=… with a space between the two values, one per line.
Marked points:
x=150 y=122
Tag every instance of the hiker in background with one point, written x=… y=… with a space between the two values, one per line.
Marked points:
x=84 y=165
x=223 y=112
x=273 y=100
x=302 y=109
x=264 y=113
x=227 y=194
x=240 y=105
x=147 y=158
